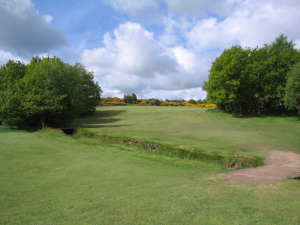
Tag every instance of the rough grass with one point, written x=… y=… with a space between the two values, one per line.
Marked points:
x=50 y=178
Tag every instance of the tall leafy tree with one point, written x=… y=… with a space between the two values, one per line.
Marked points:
x=260 y=66
x=229 y=78
x=134 y=98
x=284 y=56
x=90 y=91
x=48 y=90
x=292 y=90
x=11 y=75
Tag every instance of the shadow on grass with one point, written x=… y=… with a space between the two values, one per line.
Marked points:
x=4 y=128
x=274 y=114
x=99 y=119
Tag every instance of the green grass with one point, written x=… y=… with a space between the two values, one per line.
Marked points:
x=210 y=130
x=50 y=178
x=47 y=177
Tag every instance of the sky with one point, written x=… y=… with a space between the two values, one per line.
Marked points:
x=154 y=48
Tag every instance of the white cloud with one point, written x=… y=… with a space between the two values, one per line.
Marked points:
x=133 y=61
x=5 y=56
x=24 y=32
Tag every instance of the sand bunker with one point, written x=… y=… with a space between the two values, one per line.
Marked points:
x=280 y=165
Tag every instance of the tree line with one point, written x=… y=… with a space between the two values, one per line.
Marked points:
x=250 y=79
x=46 y=91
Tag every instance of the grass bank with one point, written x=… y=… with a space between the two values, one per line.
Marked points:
x=230 y=161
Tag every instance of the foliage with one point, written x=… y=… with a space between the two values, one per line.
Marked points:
x=153 y=101
x=134 y=98
x=140 y=101
x=46 y=88
x=11 y=111
x=245 y=78
x=192 y=101
x=292 y=97
x=109 y=101
x=128 y=99
x=165 y=103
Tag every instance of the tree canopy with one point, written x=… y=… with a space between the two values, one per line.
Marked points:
x=247 y=78
x=292 y=90
x=46 y=91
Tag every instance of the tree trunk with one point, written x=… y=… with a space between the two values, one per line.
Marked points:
x=241 y=111
x=258 y=111
x=299 y=110
x=43 y=120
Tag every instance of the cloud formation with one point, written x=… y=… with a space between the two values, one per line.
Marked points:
x=133 y=61
x=24 y=32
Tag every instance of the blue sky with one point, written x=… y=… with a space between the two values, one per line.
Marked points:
x=154 y=48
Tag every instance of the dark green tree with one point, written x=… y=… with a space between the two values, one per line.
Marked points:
x=192 y=101
x=128 y=99
x=292 y=90
x=134 y=98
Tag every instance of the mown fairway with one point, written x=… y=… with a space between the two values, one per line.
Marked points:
x=207 y=129
x=50 y=178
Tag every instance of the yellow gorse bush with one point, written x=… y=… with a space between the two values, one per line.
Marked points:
x=112 y=101
x=187 y=104
x=140 y=101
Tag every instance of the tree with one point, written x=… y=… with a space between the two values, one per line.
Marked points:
x=153 y=101
x=42 y=105
x=260 y=66
x=46 y=88
x=229 y=79
x=128 y=99
x=11 y=74
x=134 y=98
x=292 y=90
x=284 y=56
x=90 y=91
x=192 y=101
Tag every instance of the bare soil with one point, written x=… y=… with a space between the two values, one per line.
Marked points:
x=280 y=165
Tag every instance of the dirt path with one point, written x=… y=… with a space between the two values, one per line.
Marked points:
x=280 y=165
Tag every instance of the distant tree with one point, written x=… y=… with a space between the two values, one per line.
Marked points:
x=134 y=98
x=192 y=101
x=128 y=99
x=153 y=101
x=292 y=90
x=204 y=101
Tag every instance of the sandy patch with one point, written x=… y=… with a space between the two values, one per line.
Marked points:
x=280 y=165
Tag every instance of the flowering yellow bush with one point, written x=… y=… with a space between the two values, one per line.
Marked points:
x=114 y=101
x=187 y=104
x=140 y=101
x=109 y=101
